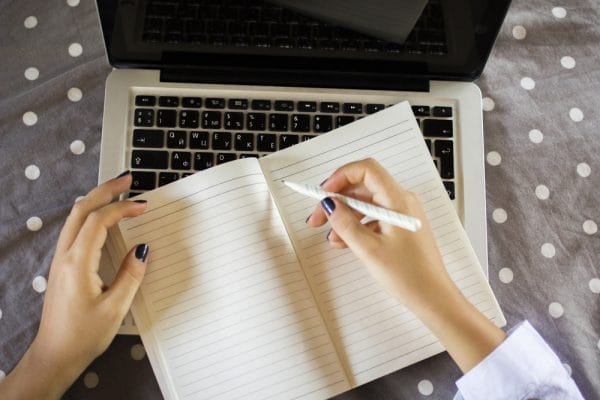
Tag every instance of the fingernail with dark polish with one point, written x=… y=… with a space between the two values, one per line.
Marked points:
x=322 y=183
x=307 y=218
x=141 y=201
x=141 y=252
x=328 y=205
x=122 y=174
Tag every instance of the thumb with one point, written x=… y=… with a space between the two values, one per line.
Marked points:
x=129 y=277
x=348 y=227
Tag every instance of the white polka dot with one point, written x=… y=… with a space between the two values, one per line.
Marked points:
x=39 y=284
x=32 y=172
x=34 y=224
x=559 y=12
x=494 y=158
x=499 y=215
x=542 y=192
x=527 y=83
x=567 y=62
x=506 y=275
x=425 y=387
x=556 y=310
x=91 y=380
x=2 y=375
x=74 y=94
x=75 y=49
x=137 y=352
x=598 y=344
x=595 y=285
x=568 y=368
x=30 y=22
x=548 y=250
x=519 y=32
x=536 y=136
x=576 y=114
x=79 y=198
x=32 y=73
x=73 y=3
x=0 y=313
x=590 y=227
x=583 y=170
x=30 y=118
x=487 y=104
x=77 y=147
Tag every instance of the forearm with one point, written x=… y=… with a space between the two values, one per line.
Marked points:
x=467 y=335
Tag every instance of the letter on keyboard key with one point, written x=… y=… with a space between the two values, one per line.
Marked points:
x=148 y=138
x=278 y=122
x=176 y=139
x=287 y=141
x=144 y=159
x=343 y=120
x=143 y=180
x=221 y=140
x=211 y=120
x=300 y=123
x=181 y=160
x=322 y=123
x=234 y=120
x=188 y=119
x=267 y=142
x=203 y=160
x=198 y=140
x=225 y=157
x=166 y=118
x=437 y=127
x=165 y=178
x=244 y=141
x=256 y=121
x=143 y=117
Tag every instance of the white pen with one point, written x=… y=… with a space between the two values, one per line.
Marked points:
x=378 y=213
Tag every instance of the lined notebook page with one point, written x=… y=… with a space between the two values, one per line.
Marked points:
x=377 y=335
x=224 y=305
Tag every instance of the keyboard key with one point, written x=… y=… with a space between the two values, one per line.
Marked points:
x=166 y=118
x=198 y=140
x=211 y=120
x=300 y=123
x=244 y=141
x=168 y=101
x=307 y=137
x=329 y=107
x=221 y=140
x=373 y=108
x=284 y=105
x=191 y=102
x=343 y=120
x=133 y=194
x=442 y=111
x=428 y=143
x=148 y=138
x=145 y=101
x=225 y=157
x=176 y=139
x=449 y=189
x=256 y=121
x=248 y=155
x=143 y=117
x=261 y=105
x=164 y=178
x=352 y=108
x=437 y=127
x=420 y=111
x=307 y=106
x=144 y=159
x=188 y=119
x=287 y=141
x=234 y=120
x=278 y=122
x=444 y=149
x=267 y=142
x=181 y=160
x=203 y=161
x=238 y=104
x=186 y=174
x=215 y=103
x=322 y=123
x=143 y=180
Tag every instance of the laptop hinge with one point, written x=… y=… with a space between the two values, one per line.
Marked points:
x=296 y=78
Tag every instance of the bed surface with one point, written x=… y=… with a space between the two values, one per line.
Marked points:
x=542 y=140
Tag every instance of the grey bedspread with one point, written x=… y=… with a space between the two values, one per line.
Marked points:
x=542 y=130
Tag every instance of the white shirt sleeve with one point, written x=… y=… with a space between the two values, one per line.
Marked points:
x=521 y=367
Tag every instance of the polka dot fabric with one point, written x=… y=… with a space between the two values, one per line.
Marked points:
x=541 y=119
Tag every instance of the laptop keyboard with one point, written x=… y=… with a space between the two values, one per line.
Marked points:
x=240 y=23
x=173 y=137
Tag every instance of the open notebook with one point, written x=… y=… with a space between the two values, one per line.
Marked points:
x=243 y=300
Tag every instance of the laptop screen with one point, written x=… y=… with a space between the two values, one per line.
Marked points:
x=433 y=39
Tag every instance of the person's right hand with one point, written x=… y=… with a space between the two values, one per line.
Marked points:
x=408 y=264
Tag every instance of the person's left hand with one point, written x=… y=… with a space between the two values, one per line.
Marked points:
x=80 y=316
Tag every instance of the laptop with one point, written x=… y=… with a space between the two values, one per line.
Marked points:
x=197 y=83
